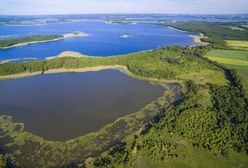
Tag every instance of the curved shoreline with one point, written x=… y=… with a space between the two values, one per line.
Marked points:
x=56 y=39
x=64 y=70
x=121 y=68
x=197 y=38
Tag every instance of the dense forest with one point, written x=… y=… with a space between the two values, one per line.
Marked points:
x=11 y=42
x=216 y=32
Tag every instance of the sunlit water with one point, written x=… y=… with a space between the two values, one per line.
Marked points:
x=103 y=40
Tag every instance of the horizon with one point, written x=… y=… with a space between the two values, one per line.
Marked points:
x=63 y=7
x=180 y=14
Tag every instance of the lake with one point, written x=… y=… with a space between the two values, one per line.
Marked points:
x=63 y=106
x=104 y=39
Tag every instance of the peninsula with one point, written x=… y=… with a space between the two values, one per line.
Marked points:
x=10 y=43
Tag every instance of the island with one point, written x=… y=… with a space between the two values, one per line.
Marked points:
x=125 y=36
x=10 y=43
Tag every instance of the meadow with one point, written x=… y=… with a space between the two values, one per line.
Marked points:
x=236 y=44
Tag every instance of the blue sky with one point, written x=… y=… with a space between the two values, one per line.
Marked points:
x=22 y=7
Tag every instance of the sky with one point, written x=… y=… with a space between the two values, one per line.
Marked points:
x=35 y=7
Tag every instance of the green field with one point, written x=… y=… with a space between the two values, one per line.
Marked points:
x=233 y=59
x=236 y=44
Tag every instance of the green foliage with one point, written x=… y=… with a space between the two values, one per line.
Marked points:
x=118 y=154
x=3 y=162
x=13 y=68
x=11 y=42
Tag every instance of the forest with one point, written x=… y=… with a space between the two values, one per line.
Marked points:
x=217 y=33
x=161 y=63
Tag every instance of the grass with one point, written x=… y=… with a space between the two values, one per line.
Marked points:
x=237 y=44
x=205 y=76
x=191 y=157
x=233 y=59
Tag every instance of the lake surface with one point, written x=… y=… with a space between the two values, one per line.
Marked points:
x=66 y=105
x=104 y=40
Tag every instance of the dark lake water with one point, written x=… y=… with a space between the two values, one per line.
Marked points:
x=66 y=105
x=104 y=40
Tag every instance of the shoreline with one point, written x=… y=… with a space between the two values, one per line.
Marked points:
x=56 y=39
x=67 y=54
x=121 y=68
x=173 y=28
x=198 y=39
x=16 y=59
x=64 y=70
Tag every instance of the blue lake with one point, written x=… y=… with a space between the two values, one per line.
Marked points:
x=104 y=40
